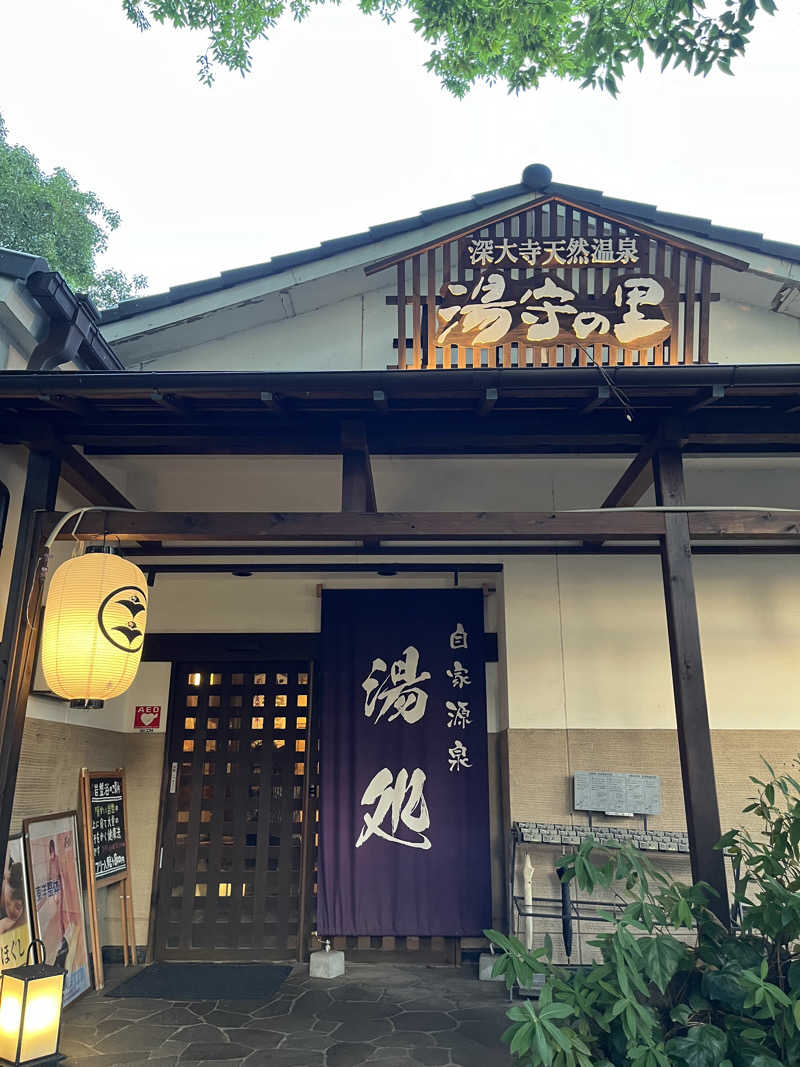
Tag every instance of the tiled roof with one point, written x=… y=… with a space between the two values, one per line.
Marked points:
x=19 y=264
x=753 y=242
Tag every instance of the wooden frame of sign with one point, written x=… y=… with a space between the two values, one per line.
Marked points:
x=107 y=870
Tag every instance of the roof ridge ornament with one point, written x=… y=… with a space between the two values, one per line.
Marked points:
x=537 y=177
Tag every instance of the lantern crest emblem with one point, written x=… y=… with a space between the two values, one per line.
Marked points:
x=119 y=618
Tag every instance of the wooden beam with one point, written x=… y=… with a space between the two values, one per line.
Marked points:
x=178 y=405
x=705 y=398
x=76 y=405
x=691 y=709
x=608 y=524
x=488 y=401
x=271 y=402
x=18 y=648
x=601 y=396
x=358 y=487
x=634 y=482
x=82 y=475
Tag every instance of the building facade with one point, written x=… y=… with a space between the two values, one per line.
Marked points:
x=476 y=398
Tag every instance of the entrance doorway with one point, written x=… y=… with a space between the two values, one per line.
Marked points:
x=236 y=879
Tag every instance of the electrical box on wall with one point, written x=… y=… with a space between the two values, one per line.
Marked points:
x=617 y=794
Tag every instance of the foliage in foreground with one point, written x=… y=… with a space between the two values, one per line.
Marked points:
x=517 y=42
x=48 y=215
x=705 y=998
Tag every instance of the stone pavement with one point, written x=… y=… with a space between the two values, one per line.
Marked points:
x=399 y=1015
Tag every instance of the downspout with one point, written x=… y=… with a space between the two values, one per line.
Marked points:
x=74 y=336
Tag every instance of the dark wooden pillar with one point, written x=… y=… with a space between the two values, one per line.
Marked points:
x=19 y=639
x=691 y=709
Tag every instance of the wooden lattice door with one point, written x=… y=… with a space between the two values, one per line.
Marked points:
x=239 y=835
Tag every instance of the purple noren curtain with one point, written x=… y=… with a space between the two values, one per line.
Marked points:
x=404 y=798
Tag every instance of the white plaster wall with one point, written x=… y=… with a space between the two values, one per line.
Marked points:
x=586 y=642
x=742 y=333
x=425 y=483
x=150 y=687
x=352 y=333
x=327 y=339
x=228 y=483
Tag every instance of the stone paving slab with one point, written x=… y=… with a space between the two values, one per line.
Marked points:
x=396 y=1015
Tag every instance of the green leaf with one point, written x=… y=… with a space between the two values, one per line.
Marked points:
x=725 y=988
x=521 y=1041
x=698 y=1004
x=543 y=1047
x=557 y=1034
x=703 y=1046
x=662 y=956
x=519 y=1012
x=681 y=1014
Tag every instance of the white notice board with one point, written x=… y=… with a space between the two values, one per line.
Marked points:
x=620 y=794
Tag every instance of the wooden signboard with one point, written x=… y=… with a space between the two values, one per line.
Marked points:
x=108 y=826
x=105 y=834
x=553 y=283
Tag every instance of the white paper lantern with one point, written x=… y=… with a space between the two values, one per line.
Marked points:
x=94 y=625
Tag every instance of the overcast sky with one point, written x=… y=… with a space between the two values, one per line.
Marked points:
x=339 y=127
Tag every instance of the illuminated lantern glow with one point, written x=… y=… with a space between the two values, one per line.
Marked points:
x=94 y=624
x=30 y=1013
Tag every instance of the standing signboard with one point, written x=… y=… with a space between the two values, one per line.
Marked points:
x=105 y=833
x=51 y=842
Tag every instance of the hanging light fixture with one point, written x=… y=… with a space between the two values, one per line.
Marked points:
x=94 y=625
x=30 y=1012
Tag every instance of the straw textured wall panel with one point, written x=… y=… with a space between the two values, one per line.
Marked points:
x=52 y=757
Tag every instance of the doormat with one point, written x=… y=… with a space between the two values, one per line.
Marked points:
x=204 y=981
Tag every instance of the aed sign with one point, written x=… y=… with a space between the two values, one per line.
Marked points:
x=147 y=717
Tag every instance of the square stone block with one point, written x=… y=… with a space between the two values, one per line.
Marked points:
x=486 y=962
x=326 y=964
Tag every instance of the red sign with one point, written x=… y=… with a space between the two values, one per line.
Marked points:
x=147 y=717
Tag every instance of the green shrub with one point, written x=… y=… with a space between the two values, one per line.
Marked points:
x=710 y=998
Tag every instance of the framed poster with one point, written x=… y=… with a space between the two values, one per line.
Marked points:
x=51 y=842
x=15 y=919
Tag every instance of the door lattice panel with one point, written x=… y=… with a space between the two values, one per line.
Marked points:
x=230 y=883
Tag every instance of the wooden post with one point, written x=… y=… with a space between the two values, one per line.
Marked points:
x=691 y=710
x=91 y=887
x=123 y=919
x=129 y=931
x=19 y=638
x=309 y=828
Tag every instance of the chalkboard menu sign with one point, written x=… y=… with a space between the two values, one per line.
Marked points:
x=105 y=847
x=107 y=825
